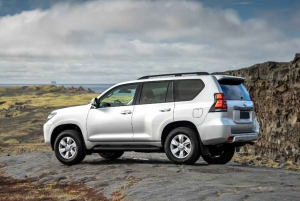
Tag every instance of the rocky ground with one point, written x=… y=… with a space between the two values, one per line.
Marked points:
x=139 y=176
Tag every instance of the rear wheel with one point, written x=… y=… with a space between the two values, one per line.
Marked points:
x=219 y=156
x=182 y=146
x=111 y=154
x=68 y=147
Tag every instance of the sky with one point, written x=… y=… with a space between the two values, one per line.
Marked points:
x=107 y=41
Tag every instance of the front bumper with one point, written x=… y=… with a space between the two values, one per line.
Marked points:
x=48 y=129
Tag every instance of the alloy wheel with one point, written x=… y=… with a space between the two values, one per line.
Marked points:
x=67 y=147
x=180 y=146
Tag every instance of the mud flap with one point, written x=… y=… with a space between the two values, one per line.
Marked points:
x=204 y=149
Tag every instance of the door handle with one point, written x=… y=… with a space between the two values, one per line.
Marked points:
x=126 y=112
x=165 y=110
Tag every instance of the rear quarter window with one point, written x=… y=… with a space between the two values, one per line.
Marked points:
x=187 y=90
x=235 y=92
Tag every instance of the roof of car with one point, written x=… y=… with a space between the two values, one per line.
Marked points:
x=174 y=74
x=157 y=78
x=164 y=78
x=218 y=77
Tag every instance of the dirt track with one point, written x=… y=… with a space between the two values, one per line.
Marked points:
x=139 y=176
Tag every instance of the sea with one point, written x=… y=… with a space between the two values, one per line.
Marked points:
x=98 y=88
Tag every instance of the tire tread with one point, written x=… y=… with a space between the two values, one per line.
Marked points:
x=229 y=153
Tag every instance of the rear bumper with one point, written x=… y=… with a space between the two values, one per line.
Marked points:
x=244 y=137
x=215 y=130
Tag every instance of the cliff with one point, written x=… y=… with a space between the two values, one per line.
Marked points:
x=275 y=87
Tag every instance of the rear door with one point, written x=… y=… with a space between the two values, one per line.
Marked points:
x=239 y=104
x=153 y=111
x=187 y=106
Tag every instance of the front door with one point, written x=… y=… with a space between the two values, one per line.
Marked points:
x=111 y=122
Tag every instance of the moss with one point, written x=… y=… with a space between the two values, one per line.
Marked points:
x=22 y=116
x=11 y=141
x=47 y=96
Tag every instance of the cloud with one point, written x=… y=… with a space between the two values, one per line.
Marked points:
x=112 y=41
x=243 y=3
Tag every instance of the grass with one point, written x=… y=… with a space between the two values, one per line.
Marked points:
x=46 y=100
x=24 y=110
x=11 y=141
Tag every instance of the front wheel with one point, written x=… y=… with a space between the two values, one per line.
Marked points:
x=69 y=148
x=111 y=154
x=219 y=156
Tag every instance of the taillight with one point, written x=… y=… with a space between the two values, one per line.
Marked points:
x=230 y=138
x=255 y=106
x=220 y=104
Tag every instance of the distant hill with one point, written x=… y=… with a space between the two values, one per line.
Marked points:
x=42 y=89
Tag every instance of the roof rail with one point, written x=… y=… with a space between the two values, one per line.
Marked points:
x=175 y=74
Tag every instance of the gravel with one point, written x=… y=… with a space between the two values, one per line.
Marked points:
x=151 y=176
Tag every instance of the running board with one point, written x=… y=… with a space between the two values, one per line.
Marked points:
x=126 y=148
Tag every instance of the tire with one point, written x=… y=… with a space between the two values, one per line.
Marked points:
x=111 y=154
x=69 y=148
x=221 y=156
x=189 y=141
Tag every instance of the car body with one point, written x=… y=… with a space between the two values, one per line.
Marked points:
x=209 y=115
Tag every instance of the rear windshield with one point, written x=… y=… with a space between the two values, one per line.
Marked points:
x=235 y=92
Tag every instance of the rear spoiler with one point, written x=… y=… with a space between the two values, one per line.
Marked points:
x=229 y=79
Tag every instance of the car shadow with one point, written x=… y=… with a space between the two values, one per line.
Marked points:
x=132 y=161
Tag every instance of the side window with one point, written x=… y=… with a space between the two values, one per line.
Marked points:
x=154 y=92
x=120 y=96
x=187 y=90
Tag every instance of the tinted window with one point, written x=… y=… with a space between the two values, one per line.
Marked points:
x=235 y=92
x=187 y=90
x=119 y=96
x=154 y=92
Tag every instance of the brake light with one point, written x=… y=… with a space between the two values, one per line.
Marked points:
x=230 y=138
x=220 y=103
x=255 y=106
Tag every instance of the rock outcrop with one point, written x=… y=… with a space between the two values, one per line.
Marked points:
x=275 y=86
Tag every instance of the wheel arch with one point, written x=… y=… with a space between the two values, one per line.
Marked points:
x=168 y=128
x=64 y=127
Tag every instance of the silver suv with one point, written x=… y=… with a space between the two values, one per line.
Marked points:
x=185 y=115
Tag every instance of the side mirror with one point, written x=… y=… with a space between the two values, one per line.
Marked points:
x=94 y=102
